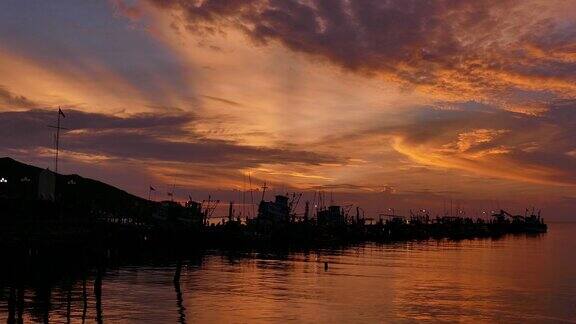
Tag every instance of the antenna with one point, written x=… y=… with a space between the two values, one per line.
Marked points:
x=58 y=128
x=251 y=194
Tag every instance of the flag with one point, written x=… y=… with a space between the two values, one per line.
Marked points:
x=60 y=112
x=152 y=188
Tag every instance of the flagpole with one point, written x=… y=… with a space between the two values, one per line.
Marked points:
x=58 y=128
x=57 y=140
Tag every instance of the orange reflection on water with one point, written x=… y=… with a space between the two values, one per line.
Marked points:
x=513 y=279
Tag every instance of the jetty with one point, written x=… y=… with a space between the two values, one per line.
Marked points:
x=40 y=208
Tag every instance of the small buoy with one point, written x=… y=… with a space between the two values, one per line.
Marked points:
x=325 y=266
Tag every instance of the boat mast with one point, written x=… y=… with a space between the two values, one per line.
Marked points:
x=264 y=187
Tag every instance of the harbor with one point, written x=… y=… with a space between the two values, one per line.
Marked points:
x=287 y=161
x=41 y=208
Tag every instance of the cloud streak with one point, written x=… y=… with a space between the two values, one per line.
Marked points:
x=496 y=143
x=152 y=137
x=12 y=100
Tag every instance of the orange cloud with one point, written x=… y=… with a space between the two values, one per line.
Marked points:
x=490 y=162
x=450 y=50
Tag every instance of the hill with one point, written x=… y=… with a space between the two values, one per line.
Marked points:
x=22 y=184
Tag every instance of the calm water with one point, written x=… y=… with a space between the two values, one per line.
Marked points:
x=514 y=279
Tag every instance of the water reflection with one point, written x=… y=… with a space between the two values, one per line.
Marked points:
x=518 y=278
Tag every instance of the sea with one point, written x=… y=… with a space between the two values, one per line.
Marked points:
x=512 y=279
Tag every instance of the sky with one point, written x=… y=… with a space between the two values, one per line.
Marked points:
x=380 y=103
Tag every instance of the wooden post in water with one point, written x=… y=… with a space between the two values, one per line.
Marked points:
x=20 y=304
x=68 y=303
x=46 y=293
x=84 y=300
x=98 y=295
x=179 y=299
x=12 y=306
x=177 y=273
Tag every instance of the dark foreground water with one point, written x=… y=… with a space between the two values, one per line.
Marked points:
x=515 y=279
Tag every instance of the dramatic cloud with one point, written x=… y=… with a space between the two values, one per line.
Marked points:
x=476 y=49
x=386 y=102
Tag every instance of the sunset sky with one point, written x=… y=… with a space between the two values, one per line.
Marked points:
x=388 y=104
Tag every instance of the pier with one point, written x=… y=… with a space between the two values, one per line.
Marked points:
x=86 y=211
